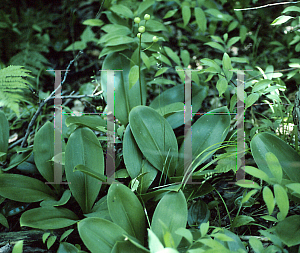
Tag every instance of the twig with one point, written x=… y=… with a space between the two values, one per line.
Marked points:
x=46 y=100
x=265 y=6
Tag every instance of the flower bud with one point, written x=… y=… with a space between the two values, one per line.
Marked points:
x=147 y=17
x=137 y=20
x=142 y=29
x=139 y=35
x=155 y=39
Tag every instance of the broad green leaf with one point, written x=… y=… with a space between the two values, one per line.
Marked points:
x=247 y=184
x=83 y=148
x=131 y=153
x=93 y=22
x=288 y=158
x=155 y=138
x=234 y=245
x=257 y=173
x=251 y=99
x=146 y=59
x=155 y=244
x=33 y=190
x=63 y=200
x=227 y=68
x=208 y=133
x=232 y=41
x=43 y=151
x=48 y=218
x=187 y=234
x=171 y=54
x=143 y=6
x=18 y=247
x=248 y=196
x=155 y=26
x=170 y=13
x=186 y=14
x=212 y=63
x=282 y=201
x=149 y=174
x=4 y=135
x=3 y=221
x=127 y=99
x=122 y=10
x=262 y=84
x=171 y=108
x=133 y=76
x=65 y=247
x=120 y=40
x=200 y=19
x=281 y=20
x=116 y=29
x=173 y=220
x=291 y=8
x=295 y=188
x=269 y=199
x=233 y=25
x=241 y=220
x=100 y=235
x=161 y=71
x=222 y=85
x=126 y=210
x=288 y=230
x=198 y=213
x=256 y=245
x=93 y=122
x=110 y=50
x=216 y=46
x=185 y=56
x=128 y=247
x=90 y=172
x=274 y=166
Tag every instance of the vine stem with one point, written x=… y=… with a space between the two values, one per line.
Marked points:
x=51 y=96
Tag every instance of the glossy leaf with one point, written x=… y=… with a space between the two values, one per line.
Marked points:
x=198 y=213
x=164 y=212
x=93 y=122
x=100 y=235
x=281 y=20
x=83 y=148
x=4 y=134
x=63 y=200
x=43 y=151
x=262 y=143
x=209 y=132
x=32 y=189
x=269 y=199
x=127 y=98
x=288 y=230
x=200 y=19
x=131 y=153
x=48 y=218
x=172 y=55
x=155 y=138
x=241 y=220
x=186 y=14
x=282 y=201
x=126 y=210
x=274 y=166
x=133 y=76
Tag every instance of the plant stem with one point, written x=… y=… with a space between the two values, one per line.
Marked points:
x=140 y=45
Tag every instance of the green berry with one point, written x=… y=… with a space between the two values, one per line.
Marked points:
x=147 y=17
x=155 y=39
x=139 y=35
x=142 y=29
x=137 y=20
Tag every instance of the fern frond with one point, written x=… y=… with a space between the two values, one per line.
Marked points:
x=13 y=81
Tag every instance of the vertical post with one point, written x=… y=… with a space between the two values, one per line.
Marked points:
x=188 y=152
x=110 y=157
x=57 y=129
